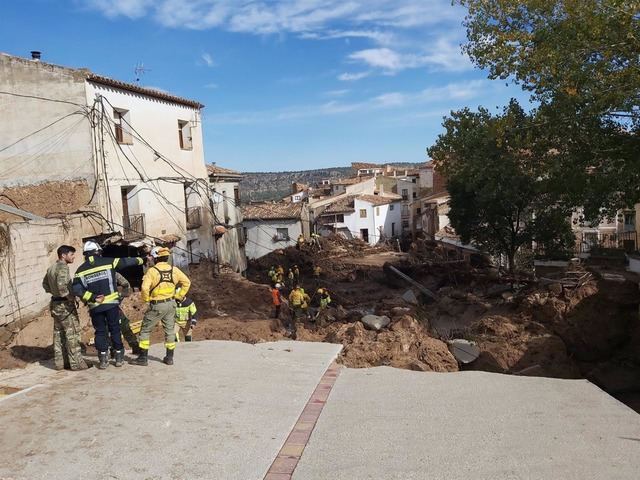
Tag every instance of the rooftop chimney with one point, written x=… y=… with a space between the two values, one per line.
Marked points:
x=35 y=55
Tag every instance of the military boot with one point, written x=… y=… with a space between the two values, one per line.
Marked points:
x=119 y=358
x=168 y=358
x=142 y=359
x=104 y=360
x=80 y=366
x=135 y=349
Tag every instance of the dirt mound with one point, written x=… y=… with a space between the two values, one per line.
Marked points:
x=511 y=345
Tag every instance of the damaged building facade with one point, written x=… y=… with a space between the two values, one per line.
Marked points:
x=227 y=213
x=89 y=156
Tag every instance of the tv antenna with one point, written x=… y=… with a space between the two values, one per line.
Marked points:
x=140 y=70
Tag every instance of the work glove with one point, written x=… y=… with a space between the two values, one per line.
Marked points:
x=193 y=322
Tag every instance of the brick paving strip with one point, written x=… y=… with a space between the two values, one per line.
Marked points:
x=287 y=460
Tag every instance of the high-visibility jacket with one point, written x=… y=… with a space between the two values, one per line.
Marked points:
x=325 y=300
x=296 y=297
x=186 y=312
x=276 y=296
x=97 y=276
x=161 y=281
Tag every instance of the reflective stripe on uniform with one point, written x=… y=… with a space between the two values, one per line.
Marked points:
x=101 y=268
x=145 y=344
x=87 y=295
x=116 y=262
x=169 y=345
x=112 y=298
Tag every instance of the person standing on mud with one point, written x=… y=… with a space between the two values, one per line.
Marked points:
x=276 y=297
x=66 y=324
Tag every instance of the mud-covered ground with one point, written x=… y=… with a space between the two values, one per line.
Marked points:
x=522 y=327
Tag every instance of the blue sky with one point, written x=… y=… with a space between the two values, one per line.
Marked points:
x=287 y=84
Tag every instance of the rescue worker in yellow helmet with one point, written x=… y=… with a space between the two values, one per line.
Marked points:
x=159 y=287
x=300 y=242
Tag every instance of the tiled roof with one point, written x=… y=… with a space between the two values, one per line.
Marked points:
x=379 y=200
x=215 y=170
x=350 y=181
x=272 y=211
x=344 y=205
x=110 y=82
x=437 y=195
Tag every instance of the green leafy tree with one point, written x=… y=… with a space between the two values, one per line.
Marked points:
x=588 y=49
x=580 y=59
x=497 y=181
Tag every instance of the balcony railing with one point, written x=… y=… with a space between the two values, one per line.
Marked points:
x=194 y=218
x=134 y=226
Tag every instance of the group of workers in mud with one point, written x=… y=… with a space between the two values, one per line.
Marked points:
x=299 y=301
x=98 y=284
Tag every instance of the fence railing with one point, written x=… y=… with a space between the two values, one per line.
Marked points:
x=627 y=241
x=194 y=218
x=134 y=226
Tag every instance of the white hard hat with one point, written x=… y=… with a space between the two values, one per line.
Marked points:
x=91 y=246
x=278 y=285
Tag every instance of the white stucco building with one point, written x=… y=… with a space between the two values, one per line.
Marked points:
x=228 y=227
x=273 y=226
x=138 y=151
x=371 y=218
x=93 y=157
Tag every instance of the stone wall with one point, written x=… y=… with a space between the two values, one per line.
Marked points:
x=27 y=249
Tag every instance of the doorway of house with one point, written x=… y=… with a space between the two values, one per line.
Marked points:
x=193 y=247
x=364 y=234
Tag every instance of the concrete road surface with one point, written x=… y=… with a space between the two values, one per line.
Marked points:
x=389 y=424
x=221 y=412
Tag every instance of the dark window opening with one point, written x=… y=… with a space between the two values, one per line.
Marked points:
x=132 y=274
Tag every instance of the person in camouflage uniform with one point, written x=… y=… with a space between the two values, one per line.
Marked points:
x=124 y=287
x=66 y=325
x=125 y=327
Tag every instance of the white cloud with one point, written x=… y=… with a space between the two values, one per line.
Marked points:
x=393 y=99
x=121 y=8
x=380 y=58
x=443 y=55
x=211 y=86
x=288 y=16
x=337 y=93
x=377 y=36
x=352 y=77
x=207 y=59
x=445 y=97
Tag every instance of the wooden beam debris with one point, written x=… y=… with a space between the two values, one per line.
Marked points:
x=419 y=286
x=19 y=212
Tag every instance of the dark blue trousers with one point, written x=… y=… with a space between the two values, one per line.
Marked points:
x=107 y=324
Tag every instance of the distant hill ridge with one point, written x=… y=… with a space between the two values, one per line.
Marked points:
x=267 y=186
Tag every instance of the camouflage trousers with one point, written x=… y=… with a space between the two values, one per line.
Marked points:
x=66 y=336
x=127 y=332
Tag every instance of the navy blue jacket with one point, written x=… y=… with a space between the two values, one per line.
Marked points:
x=97 y=276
